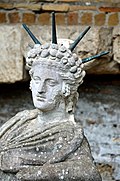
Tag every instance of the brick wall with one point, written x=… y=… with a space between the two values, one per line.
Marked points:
x=70 y=12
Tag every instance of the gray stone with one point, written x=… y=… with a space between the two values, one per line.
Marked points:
x=7 y=176
x=116 y=44
x=95 y=89
x=78 y=165
x=47 y=143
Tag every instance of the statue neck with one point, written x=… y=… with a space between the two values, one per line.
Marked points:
x=59 y=114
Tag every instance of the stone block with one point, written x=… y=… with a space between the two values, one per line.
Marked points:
x=116 y=44
x=28 y=6
x=113 y=19
x=11 y=61
x=55 y=7
x=4 y=5
x=79 y=7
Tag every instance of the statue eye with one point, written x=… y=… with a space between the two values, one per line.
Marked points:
x=36 y=79
x=51 y=82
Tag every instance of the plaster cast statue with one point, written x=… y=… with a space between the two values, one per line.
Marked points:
x=47 y=143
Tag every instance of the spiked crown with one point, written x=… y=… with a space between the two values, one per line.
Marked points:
x=72 y=46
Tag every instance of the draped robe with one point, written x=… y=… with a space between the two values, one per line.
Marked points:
x=57 y=151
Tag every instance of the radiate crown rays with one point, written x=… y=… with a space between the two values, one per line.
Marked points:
x=72 y=46
x=54 y=36
x=36 y=41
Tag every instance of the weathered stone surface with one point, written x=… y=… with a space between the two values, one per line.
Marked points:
x=11 y=61
x=98 y=109
x=95 y=41
x=7 y=177
x=34 y=7
x=47 y=143
x=35 y=163
x=6 y=5
x=55 y=7
x=116 y=44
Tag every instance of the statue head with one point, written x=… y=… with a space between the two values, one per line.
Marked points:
x=55 y=73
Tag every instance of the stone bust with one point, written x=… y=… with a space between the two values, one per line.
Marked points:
x=47 y=143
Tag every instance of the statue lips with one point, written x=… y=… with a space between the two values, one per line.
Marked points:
x=41 y=97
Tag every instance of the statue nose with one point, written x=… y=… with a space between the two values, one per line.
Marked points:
x=41 y=88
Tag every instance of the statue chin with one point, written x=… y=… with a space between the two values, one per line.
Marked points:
x=44 y=106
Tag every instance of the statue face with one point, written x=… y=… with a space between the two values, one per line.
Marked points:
x=46 y=87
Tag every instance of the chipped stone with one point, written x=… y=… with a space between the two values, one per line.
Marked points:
x=44 y=53
x=65 y=60
x=59 y=55
x=53 y=52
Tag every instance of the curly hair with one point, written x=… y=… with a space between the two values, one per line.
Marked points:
x=68 y=65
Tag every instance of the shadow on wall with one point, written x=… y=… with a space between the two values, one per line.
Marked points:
x=13 y=99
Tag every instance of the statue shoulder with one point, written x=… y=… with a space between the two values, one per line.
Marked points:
x=18 y=119
x=25 y=114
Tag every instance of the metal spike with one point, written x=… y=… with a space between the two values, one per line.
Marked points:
x=36 y=41
x=74 y=44
x=84 y=60
x=54 y=37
